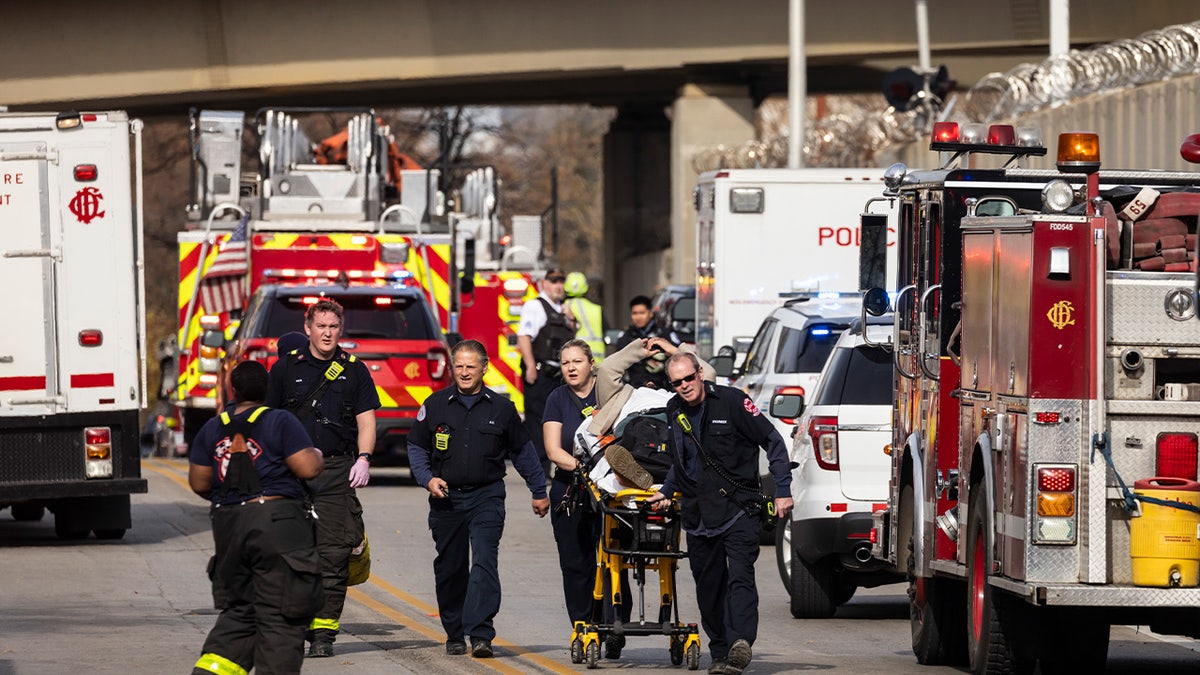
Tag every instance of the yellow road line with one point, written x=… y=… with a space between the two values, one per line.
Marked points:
x=157 y=466
x=435 y=635
x=429 y=610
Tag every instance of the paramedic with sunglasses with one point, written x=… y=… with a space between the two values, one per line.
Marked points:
x=716 y=433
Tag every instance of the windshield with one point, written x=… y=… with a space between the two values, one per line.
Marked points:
x=367 y=317
x=805 y=351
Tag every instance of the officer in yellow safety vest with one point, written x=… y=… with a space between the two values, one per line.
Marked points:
x=589 y=318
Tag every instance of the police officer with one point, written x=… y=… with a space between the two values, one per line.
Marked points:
x=249 y=461
x=589 y=317
x=545 y=327
x=456 y=450
x=716 y=433
x=332 y=393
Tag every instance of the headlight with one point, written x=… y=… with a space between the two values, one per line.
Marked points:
x=1057 y=196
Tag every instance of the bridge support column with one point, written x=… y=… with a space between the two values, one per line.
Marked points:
x=637 y=206
x=703 y=115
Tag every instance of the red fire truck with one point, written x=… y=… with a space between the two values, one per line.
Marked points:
x=1046 y=361
x=342 y=213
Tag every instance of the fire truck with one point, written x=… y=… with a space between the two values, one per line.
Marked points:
x=1047 y=397
x=72 y=364
x=348 y=211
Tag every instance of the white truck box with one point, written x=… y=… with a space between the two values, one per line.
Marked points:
x=762 y=232
x=72 y=367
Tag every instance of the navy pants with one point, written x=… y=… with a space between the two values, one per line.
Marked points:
x=466 y=528
x=536 y=395
x=723 y=567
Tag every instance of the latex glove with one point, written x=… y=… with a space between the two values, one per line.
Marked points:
x=360 y=473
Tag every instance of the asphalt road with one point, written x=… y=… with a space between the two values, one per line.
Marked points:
x=142 y=605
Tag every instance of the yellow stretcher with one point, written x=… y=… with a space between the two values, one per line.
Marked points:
x=635 y=538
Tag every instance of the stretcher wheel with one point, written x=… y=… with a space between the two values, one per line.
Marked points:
x=593 y=655
x=693 y=656
x=576 y=651
x=676 y=651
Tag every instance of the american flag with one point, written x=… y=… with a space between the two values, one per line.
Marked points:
x=223 y=287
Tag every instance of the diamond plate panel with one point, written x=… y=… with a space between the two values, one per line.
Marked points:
x=28 y=456
x=1146 y=322
x=1056 y=443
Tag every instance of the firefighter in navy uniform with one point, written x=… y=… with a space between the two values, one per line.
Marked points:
x=546 y=325
x=266 y=579
x=715 y=436
x=332 y=393
x=457 y=450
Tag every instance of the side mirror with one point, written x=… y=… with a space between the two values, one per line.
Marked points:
x=787 y=406
x=723 y=364
x=872 y=255
x=875 y=301
x=466 y=282
x=727 y=350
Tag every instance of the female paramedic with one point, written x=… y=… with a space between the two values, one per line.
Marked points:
x=576 y=525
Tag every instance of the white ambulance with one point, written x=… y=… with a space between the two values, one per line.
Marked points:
x=763 y=232
x=72 y=362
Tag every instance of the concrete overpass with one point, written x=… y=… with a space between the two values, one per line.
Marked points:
x=682 y=74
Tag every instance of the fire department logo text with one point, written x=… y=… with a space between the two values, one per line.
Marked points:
x=86 y=205
x=1061 y=314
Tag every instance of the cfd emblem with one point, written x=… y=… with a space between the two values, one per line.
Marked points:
x=86 y=205
x=412 y=370
x=1061 y=314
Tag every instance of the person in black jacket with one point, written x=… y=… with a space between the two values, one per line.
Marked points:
x=456 y=449
x=546 y=325
x=715 y=436
x=649 y=371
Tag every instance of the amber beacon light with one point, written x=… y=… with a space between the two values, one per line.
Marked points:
x=1078 y=152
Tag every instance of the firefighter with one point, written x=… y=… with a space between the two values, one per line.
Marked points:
x=589 y=318
x=545 y=327
x=456 y=449
x=715 y=436
x=249 y=461
x=332 y=393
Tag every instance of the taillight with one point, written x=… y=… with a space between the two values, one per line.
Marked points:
x=823 y=431
x=1176 y=455
x=1055 y=504
x=97 y=444
x=435 y=363
x=798 y=391
x=383 y=301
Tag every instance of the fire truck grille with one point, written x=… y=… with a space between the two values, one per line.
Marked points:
x=41 y=456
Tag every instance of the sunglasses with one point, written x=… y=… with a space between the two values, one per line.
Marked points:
x=686 y=378
x=556 y=280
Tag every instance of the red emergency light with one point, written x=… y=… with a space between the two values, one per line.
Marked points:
x=997 y=139
x=1176 y=455
x=91 y=337
x=1047 y=417
x=383 y=301
x=86 y=172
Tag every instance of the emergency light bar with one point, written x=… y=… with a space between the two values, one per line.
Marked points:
x=998 y=139
x=312 y=274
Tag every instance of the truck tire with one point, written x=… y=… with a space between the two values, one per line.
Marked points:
x=995 y=640
x=814 y=588
x=784 y=552
x=28 y=512
x=936 y=612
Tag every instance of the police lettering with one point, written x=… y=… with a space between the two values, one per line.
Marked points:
x=14 y=179
x=846 y=236
x=5 y=200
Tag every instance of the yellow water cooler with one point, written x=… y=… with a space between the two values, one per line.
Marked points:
x=1164 y=542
